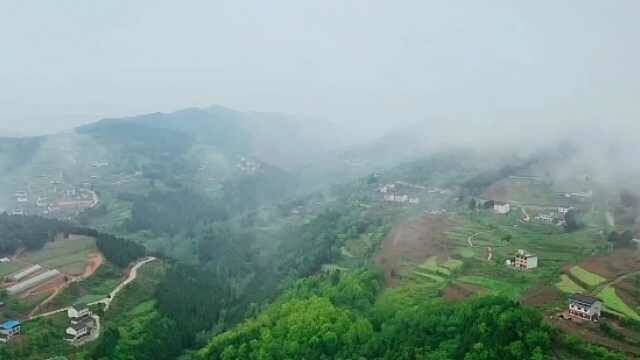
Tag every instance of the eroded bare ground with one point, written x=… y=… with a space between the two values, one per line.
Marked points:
x=542 y=295
x=58 y=284
x=461 y=291
x=613 y=265
x=412 y=243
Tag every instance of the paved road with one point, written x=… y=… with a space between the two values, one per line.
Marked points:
x=133 y=274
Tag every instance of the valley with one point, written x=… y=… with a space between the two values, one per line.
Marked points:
x=231 y=245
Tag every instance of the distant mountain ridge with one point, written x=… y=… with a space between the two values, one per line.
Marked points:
x=278 y=139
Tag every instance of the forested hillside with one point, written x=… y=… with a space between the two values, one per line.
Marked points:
x=31 y=232
x=336 y=316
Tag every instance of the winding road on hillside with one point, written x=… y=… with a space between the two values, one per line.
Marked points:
x=470 y=238
x=133 y=274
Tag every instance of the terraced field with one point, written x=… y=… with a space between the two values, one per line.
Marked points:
x=568 y=286
x=586 y=277
x=614 y=303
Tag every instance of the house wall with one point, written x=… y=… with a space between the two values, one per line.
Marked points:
x=73 y=313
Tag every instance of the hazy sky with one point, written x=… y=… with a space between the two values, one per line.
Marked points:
x=365 y=63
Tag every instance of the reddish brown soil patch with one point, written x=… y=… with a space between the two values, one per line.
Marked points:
x=499 y=191
x=542 y=295
x=46 y=287
x=461 y=291
x=94 y=262
x=412 y=242
x=614 y=265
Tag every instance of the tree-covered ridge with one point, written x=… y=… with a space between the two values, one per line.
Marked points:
x=14 y=152
x=336 y=316
x=178 y=130
x=119 y=251
x=171 y=212
x=32 y=232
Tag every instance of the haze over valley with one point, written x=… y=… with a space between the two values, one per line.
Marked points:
x=319 y=180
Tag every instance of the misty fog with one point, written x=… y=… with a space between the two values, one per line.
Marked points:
x=366 y=66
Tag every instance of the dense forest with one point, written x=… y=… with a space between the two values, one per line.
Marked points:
x=32 y=232
x=118 y=250
x=336 y=316
x=170 y=212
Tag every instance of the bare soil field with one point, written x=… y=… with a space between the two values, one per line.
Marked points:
x=94 y=261
x=46 y=287
x=412 y=243
x=542 y=295
x=461 y=291
x=614 y=265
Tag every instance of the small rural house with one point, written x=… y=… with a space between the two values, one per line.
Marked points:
x=545 y=219
x=78 y=311
x=585 y=307
x=80 y=329
x=501 y=208
x=523 y=261
x=82 y=322
x=9 y=329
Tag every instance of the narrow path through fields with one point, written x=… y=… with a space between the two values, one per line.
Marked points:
x=470 y=238
x=619 y=279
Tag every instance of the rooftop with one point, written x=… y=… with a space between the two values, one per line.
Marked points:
x=9 y=324
x=583 y=299
x=80 y=307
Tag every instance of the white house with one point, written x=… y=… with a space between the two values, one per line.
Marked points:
x=545 y=219
x=77 y=312
x=501 y=208
x=80 y=329
x=523 y=261
x=585 y=307
x=82 y=322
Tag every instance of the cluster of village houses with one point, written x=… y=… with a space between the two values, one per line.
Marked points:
x=73 y=198
x=392 y=193
x=82 y=323
x=552 y=216
x=581 y=306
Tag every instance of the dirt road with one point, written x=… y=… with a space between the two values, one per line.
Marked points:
x=133 y=274
x=95 y=261
x=470 y=238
